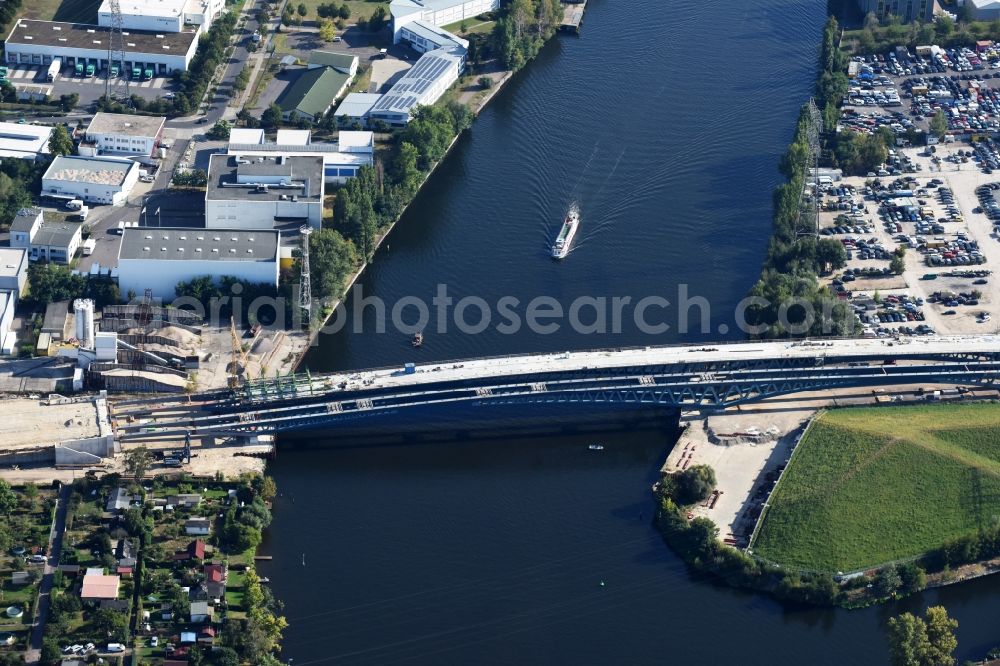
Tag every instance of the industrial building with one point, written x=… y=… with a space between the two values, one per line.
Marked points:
x=354 y=109
x=436 y=12
x=907 y=10
x=341 y=160
x=56 y=242
x=8 y=337
x=38 y=42
x=27 y=142
x=264 y=192
x=422 y=84
x=312 y=93
x=13 y=277
x=163 y=15
x=423 y=37
x=158 y=259
x=122 y=134
x=93 y=179
x=13 y=269
x=985 y=10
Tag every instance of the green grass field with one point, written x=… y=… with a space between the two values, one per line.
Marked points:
x=873 y=485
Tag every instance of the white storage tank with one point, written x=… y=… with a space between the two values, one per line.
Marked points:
x=84 y=309
x=106 y=346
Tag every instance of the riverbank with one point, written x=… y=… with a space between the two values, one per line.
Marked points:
x=309 y=338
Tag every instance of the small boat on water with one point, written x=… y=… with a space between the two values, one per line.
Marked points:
x=569 y=228
x=418 y=340
x=596 y=447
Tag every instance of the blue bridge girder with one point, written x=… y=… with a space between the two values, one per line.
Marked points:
x=686 y=385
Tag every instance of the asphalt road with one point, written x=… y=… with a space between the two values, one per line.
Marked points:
x=33 y=655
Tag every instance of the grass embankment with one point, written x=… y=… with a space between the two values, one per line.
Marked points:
x=874 y=485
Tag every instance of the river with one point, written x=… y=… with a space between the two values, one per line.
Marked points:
x=665 y=123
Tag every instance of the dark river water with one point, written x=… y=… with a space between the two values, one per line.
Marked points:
x=664 y=122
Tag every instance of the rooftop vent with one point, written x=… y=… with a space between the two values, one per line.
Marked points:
x=215 y=249
x=145 y=249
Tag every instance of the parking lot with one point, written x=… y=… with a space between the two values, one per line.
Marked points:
x=933 y=205
x=88 y=88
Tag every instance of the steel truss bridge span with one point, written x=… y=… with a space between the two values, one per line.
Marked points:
x=676 y=376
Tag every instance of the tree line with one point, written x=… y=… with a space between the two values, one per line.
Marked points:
x=191 y=84
x=523 y=28
x=370 y=202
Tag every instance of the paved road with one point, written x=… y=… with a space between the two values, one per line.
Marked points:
x=33 y=655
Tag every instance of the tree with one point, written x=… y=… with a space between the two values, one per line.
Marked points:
x=939 y=124
x=404 y=168
x=54 y=282
x=908 y=643
x=327 y=31
x=923 y=642
x=110 y=625
x=485 y=82
x=331 y=259
x=68 y=102
x=8 y=499
x=912 y=577
x=60 y=142
x=271 y=116
x=693 y=484
x=941 y=636
x=220 y=130
x=138 y=462
x=51 y=652
x=344 y=12
x=302 y=9
x=887 y=582
x=830 y=254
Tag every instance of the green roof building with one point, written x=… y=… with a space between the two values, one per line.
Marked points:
x=313 y=93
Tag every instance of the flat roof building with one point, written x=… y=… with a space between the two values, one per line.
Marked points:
x=341 y=160
x=355 y=108
x=422 y=84
x=93 y=179
x=264 y=192
x=162 y=15
x=122 y=134
x=246 y=135
x=8 y=337
x=29 y=142
x=159 y=258
x=13 y=269
x=436 y=12
x=38 y=42
x=424 y=37
x=313 y=93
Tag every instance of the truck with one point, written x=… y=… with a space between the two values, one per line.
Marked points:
x=54 y=68
x=3 y=73
x=78 y=68
x=114 y=71
x=91 y=70
x=81 y=215
x=147 y=74
x=89 y=246
x=136 y=72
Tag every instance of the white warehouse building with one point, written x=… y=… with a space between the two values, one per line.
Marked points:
x=163 y=15
x=264 y=192
x=38 y=42
x=436 y=12
x=122 y=134
x=158 y=259
x=422 y=84
x=341 y=160
x=100 y=180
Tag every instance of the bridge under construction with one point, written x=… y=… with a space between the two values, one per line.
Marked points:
x=680 y=377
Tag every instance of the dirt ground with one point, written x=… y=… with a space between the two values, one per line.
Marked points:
x=739 y=466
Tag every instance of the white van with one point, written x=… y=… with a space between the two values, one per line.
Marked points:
x=89 y=246
x=74 y=204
